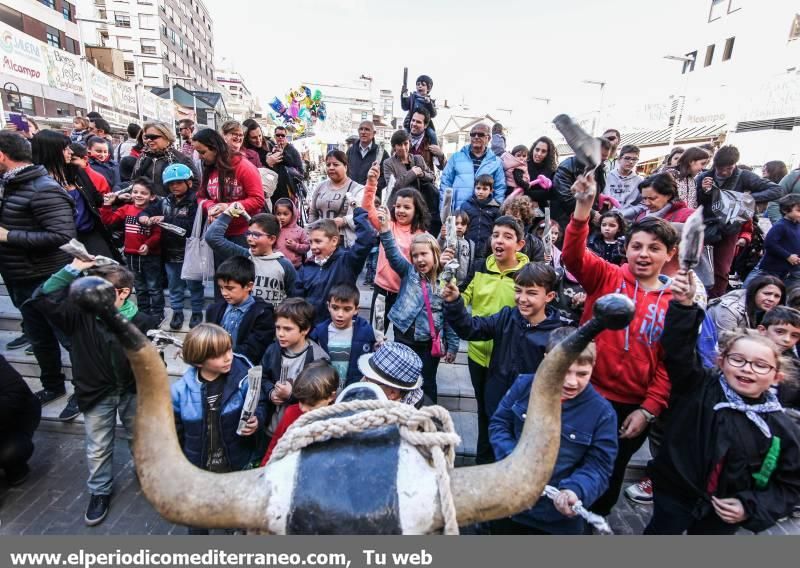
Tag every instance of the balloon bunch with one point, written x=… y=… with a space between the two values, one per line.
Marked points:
x=301 y=108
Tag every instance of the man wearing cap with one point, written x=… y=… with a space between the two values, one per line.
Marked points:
x=397 y=370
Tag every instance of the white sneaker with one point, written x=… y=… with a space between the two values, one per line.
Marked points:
x=641 y=492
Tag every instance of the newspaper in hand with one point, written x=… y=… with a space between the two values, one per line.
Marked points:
x=76 y=249
x=379 y=318
x=387 y=191
x=251 y=400
x=547 y=236
x=180 y=231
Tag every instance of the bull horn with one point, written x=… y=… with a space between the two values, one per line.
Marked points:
x=514 y=484
x=180 y=492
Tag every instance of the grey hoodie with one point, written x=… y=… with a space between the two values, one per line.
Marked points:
x=624 y=189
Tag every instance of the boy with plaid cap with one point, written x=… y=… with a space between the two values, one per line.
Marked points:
x=397 y=370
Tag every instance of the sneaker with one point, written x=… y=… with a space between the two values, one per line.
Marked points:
x=195 y=320
x=29 y=351
x=70 y=411
x=46 y=395
x=641 y=492
x=18 y=342
x=97 y=509
x=176 y=322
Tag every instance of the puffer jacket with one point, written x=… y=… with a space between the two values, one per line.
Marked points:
x=482 y=215
x=152 y=167
x=295 y=253
x=460 y=175
x=181 y=213
x=188 y=396
x=38 y=214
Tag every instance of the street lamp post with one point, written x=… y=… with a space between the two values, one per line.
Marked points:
x=596 y=120
x=681 y=99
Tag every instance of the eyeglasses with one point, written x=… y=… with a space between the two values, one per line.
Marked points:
x=633 y=159
x=758 y=367
x=236 y=136
x=255 y=234
x=477 y=135
x=152 y=137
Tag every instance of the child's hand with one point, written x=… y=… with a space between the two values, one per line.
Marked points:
x=450 y=292
x=216 y=209
x=156 y=219
x=282 y=392
x=374 y=171
x=82 y=265
x=450 y=358
x=443 y=232
x=109 y=199
x=794 y=260
x=448 y=254
x=683 y=288
x=383 y=218
x=417 y=171
x=548 y=258
x=578 y=299
x=250 y=426
x=290 y=242
x=584 y=188
x=564 y=502
x=730 y=510
x=145 y=220
x=143 y=250
x=708 y=182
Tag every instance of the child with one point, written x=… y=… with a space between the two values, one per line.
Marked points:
x=782 y=325
x=464 y=252
x=629 y=372
x=491 y=289
x=609 y=242
x=520 y=334
x=179 y=208
x=104 y=384
x=207 y=402
x=286 y=358
x=515 y=164
x=101 y=162
x=418 y=307
x=80 y=158
x=345 y=335
x=571 y=295
x=730 y=458
x=782 y=245
x=292 y=240
x=585 y=456
x=397 y=370
x=275 y=275
x=247 y=319
x=142 y=245
x=498 y=142
x=482 y=209
x=409 y=217
x=521 y=208
x=314 y=388
x=420 y=99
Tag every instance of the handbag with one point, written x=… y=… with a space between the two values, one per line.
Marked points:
x=437 y=349
x=198 y=260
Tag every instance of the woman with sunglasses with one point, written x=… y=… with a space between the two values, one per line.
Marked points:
x=234 y=136
x=159 y=152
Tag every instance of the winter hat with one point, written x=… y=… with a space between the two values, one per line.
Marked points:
x=427 y=80
x=394 y=365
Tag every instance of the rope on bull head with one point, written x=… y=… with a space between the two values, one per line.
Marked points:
x=430 y=429
x=593 y=519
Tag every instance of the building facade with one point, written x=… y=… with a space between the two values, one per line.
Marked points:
x=239 y=101
x=50 y=21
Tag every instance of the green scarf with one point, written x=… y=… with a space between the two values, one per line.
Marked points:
x=128 y=309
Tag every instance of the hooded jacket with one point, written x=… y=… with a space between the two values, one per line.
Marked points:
x=363 y=342
x=460 y=175
x=625 y=189
x=296 y=252
x=256 y=332
x=629 y=369
x=482 y=215
x=490 y=291
x=38 y=214
x=586 y=453
x=244 y=186
x=188 y=405
x=518 y=345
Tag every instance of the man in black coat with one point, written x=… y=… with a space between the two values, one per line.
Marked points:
x=20 y=412
x=36 y=217
x=285 y=160
x=360 y=156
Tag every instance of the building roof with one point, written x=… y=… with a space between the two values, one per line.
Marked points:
x=695 y=134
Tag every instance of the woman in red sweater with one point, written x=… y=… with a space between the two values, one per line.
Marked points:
x=228 y=177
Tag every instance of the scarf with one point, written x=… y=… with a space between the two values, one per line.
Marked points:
x=128 y=309
x=416 y=140
x=752 y=411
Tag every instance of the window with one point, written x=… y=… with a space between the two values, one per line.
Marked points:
x=124 y=43
x=688 y=66
x=147 y=22
x=122 y=19
x=66 y=9
x=52 y=37
x=72 y=46
x=794 y=33
x=150 y=70
x=49 y=3
x=728 y=48
x=149 y=46
x=26 y=104
x=104 y=39
x=129 y=71
x=709 y=55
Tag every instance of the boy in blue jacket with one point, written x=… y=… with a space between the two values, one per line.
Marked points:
x=331 y=264
x=345 y=335
x=782 y=245
x=586 y=454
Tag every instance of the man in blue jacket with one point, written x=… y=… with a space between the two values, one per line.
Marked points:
x=470 y=162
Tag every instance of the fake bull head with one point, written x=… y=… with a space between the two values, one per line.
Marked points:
x=279 y=499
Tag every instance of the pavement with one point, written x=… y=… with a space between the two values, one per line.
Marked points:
x=54 y=498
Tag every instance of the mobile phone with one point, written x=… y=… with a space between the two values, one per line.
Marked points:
x=19 y=121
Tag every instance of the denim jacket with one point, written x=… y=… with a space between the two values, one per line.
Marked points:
x=409 y=308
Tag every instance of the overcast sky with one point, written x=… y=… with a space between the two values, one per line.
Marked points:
x=491 y=54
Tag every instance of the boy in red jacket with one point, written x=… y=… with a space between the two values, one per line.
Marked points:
x=142 y=245
x=629 y=372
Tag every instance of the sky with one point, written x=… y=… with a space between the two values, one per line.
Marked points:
x=486 y=53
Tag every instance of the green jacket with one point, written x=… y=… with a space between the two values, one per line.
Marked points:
x=489 y=292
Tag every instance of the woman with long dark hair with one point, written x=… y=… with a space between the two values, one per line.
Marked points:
x=158 y=153
x=254 y=140
x=542 y=158
x=745 y=307
x=691 y=163
x=671 y=159
x=51 y=150
x=227 y=178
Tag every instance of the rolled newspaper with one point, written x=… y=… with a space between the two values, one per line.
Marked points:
x=75 y=248
x=251 y=400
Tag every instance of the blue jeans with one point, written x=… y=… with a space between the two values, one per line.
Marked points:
x=177 y=289
x=147 y=280
x=100 y=423
x=791 y=278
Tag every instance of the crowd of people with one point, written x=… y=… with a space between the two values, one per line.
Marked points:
x=704 y=370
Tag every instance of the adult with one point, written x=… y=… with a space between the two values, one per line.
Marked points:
x=20 y=412
x=51 y=150
x=671 y=159
x=659 y=198
x=562 y=201
x=35 y=220
x=420 y=142
x=723 y=237
x=473 y=160
x=744 y=308
x=329 y=198
x=412 y=171
x=233 y=134
x=227 y=178
x=158 y=153
x=124 y=148
x=363 y=154
x=622 y=181
x=790 y=184
x=612 y=135
x=774 y=171
x=254 y=140
x=542 y=159
x=690 y=163
x=186 y=131
x=285 y=160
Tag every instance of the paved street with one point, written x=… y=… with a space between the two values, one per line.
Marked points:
x=54 y=498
